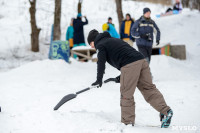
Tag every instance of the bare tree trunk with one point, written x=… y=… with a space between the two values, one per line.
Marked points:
x=79 y=6
x=185 y=3
x=34 y=30
x=57 y=18
x=192 y=4
x=119 y=12
x=196 y=4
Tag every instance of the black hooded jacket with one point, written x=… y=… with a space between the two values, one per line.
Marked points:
x=78 y=30
x=115 y=51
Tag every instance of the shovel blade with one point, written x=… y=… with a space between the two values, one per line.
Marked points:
x=64 y=100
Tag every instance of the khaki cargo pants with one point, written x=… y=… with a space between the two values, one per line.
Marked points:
x=137 y=74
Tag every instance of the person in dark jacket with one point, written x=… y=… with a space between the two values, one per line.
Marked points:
x=125 y=31
x=142 y=31
x=78 y=30
x=135 y=72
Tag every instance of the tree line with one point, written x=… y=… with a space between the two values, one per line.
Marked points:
x=192 y=4
x=35 y=31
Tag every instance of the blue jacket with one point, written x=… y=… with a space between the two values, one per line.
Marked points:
x=122 y=34
x=143 y=27
x=69 y=33
x=112 y=31
x=78 y=30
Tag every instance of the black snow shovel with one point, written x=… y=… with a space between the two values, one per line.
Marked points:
x=71 y=96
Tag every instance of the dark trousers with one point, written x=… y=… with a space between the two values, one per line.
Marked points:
x=146 y=51
x=168 y=10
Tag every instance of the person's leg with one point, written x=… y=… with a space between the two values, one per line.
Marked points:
x=75 y=56
x=128 y=82
x=144 y=51
x=149 y=52
x=151 y=94
x=168 y=10
x=148 y=59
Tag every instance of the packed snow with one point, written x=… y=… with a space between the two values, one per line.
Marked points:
x=82 y=48
x=29 y=92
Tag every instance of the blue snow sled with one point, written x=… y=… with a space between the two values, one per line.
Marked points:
x=168 y=14
x=59 y=50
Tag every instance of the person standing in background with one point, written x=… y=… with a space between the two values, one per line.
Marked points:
x=78 y=24
x=70 y=34
x=110 y=28
x=142 y=31
x=125 y=32
x=110 y=21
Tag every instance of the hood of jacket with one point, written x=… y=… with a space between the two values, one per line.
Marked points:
x=100 y=37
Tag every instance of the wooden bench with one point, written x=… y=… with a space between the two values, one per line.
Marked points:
x=85 y=52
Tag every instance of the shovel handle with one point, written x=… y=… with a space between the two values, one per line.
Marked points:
x=81 y=91
x=86 y=89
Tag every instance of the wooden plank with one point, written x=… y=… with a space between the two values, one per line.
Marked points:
x=82 y=55
x=83 y=59
x=78 y=50
x=85 y=53
x=178 y=51
x=88 y=53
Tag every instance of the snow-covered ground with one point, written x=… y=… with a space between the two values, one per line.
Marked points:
x=29 y=93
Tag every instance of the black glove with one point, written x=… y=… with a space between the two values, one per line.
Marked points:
x=158 y=42
x=98 y=83
x=133 y=39
x=118 y=79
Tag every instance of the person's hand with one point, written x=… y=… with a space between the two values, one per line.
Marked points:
x=97 y=83
x=157 y=42
x=84 y=16
x=117 y=79
x=133 y=39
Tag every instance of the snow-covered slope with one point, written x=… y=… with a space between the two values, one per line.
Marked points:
x=29 y=93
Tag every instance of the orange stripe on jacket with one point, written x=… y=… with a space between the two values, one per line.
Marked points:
x=71 y=42
x=127 y=27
